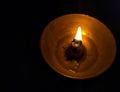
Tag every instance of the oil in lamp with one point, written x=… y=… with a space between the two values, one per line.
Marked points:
x=78 y=46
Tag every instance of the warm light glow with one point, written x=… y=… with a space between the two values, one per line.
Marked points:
x=78 y=35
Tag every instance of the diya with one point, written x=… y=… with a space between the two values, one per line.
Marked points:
x=78 y=46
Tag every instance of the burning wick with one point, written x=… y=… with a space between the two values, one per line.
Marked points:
x=77 y=41
x=76 y=50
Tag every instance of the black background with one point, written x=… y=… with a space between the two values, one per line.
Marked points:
x=29 y=72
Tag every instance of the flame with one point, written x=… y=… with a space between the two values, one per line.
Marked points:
x=78 y=35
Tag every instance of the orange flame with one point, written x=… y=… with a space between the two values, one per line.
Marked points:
x=78 y=35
